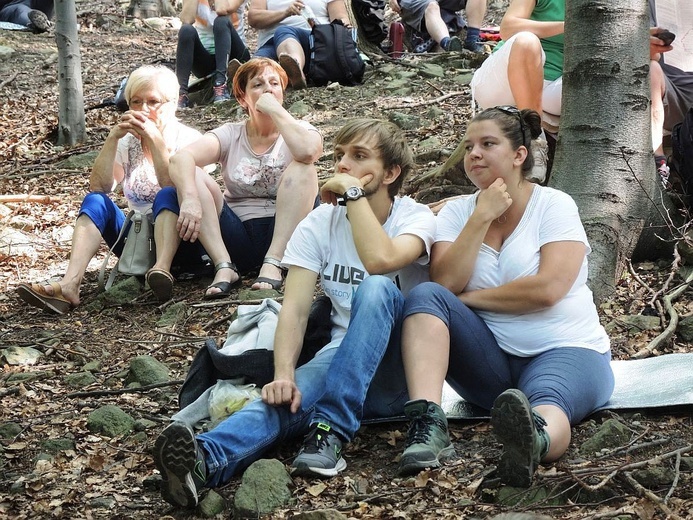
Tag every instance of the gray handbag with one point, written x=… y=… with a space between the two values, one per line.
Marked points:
x=139 y=252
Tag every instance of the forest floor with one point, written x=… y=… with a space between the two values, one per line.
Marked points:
x=103 y=477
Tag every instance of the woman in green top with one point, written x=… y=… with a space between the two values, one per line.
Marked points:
x=526 y=67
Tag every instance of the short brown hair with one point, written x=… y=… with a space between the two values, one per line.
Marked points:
x=391 y=143
x=250 y=69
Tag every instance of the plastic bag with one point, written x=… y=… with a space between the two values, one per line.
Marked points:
x=227 y=398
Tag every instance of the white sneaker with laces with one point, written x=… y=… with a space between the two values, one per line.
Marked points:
x=540 y=152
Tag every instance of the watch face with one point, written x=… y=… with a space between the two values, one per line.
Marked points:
x=354 y=192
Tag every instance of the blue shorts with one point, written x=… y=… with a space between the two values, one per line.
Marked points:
x=577 y=380
x=282 y=33
x=106 y=216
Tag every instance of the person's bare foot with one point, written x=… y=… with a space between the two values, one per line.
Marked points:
x=226 y=278
x=68 y=291
x=268 y=271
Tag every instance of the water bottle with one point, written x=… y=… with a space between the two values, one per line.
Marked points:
x=396 y=36
x=309 y=15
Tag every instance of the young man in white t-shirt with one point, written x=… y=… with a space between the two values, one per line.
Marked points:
x=368 y=247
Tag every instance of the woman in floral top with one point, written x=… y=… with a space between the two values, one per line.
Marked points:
x=134 y=155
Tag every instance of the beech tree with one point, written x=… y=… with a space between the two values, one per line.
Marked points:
x=604 y=153
x=71 y=124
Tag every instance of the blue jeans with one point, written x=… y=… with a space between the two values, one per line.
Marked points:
x=17 y=11
x=577 y=380
x=361 y=378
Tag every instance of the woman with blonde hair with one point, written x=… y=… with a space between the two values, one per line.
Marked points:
x=134 y=155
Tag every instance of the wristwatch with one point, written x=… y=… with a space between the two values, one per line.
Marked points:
x=353 y=193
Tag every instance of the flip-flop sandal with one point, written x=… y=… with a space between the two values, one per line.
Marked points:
x=225 y=288
x=273 y=282
x=36 y=295
x=161 y=283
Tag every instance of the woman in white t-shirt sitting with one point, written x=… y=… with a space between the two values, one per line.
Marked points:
x=510 y=323
x=270 y=184
x=134 y=155
x=284 y=31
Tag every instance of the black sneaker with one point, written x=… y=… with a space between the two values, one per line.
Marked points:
x=522 y=433
x=454 y=44
x=474 y=46
x=428 y=443
x=221 y=93
x=321 y=454
x=39 y=22
x=181 y=463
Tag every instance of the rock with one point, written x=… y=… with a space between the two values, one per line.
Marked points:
x=611 y=435
x=654 y=477
x=15 y=243
x=687 y=463
x=78 y=161
x=144 y=424
x=260 y=294
x=404 y=121
x=102 y=502
x=6 y=52
x=17 y=487
x=146 y=370
x=79 y=380
x=152 y=483
x=211 y=505
x=25 y=377
x=428 y=150
x=512 y=496
x=120 y=293
x=520 y=516
x=685 y=328
x=92 y=366
x=300 y=109
x=320 y=514
x=264 y=487
x=638 y=323
x=110 y=421
x=172 y=315
x=21 y=355
x=432 y=70
x=9 y=430
x=57 y=445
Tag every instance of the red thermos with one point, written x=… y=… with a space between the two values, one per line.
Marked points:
x=396 y=36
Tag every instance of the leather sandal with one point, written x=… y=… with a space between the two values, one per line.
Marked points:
x=273 y=282
x=225 y=288
x=161 y=283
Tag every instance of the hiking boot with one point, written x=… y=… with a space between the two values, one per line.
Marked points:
x=454 y=44
x=293 y=71
x=183 y=101
x=540 y=153
x=428 y=443
x=39 y=22
x=182 y=465
x=320 y=455
x=521 y=431
x=474 y=46
x=221 y=93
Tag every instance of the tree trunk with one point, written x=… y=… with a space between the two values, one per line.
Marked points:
x=71 y=125
x=604 y=154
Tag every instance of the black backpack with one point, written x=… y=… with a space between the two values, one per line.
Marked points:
x=681 y=161
x=334 y=56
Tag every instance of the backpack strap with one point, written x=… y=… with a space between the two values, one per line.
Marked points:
x=104 y=264
x=340 y=49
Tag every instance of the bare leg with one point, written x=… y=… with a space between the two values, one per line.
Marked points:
x=657 y=89
x=293 y=49
x=295 y=198
x=166 y=239
x=526 y=72
x=425 y=354
x=434 y=22
x=558 y=428
x=86 y=240
x=475 y=12
x=210 y=232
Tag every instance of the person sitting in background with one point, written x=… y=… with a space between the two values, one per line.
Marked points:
x=369 y=249
x=284 y=31
x=210 y=36
x=35 y=15
x=433 y=16
x=511 y=323
x=526 y=67
x=671 y=94
x=271 y=185
x=135 y=155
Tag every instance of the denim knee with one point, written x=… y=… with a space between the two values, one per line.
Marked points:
x=377 y=287
x=430 y=298
x=166 y=198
